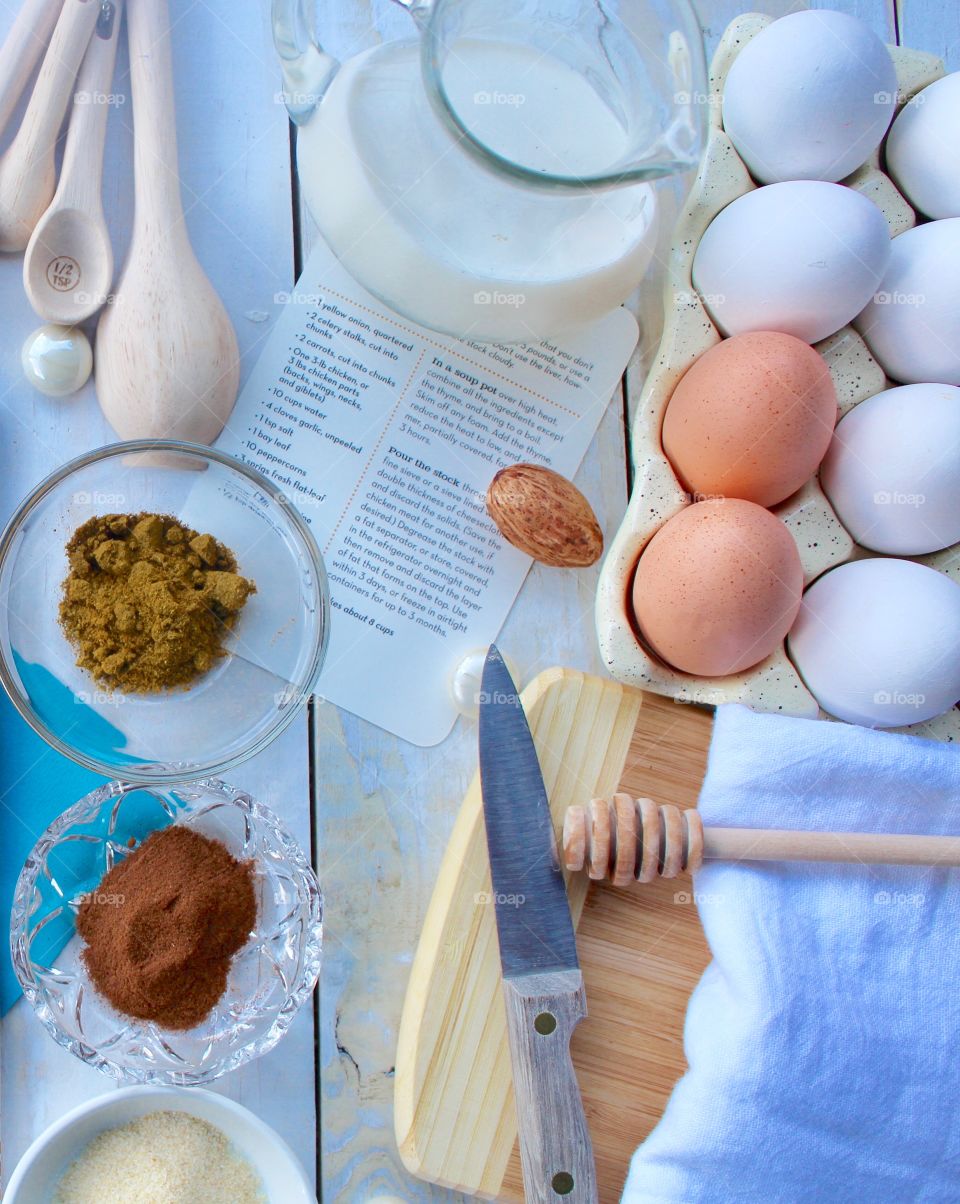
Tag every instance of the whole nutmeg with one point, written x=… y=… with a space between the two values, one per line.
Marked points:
x=543 y=514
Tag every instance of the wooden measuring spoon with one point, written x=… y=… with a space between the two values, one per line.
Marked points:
x=167 y=363
x=23 y=46
x=68 y=267
x=27 y=171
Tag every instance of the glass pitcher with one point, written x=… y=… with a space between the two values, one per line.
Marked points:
x=491 y=177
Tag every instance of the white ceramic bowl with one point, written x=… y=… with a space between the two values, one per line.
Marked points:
x=40 y=1169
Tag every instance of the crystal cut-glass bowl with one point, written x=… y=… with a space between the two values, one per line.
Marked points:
x=270 y=978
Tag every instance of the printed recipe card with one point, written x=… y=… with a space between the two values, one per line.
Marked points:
x=386 y=435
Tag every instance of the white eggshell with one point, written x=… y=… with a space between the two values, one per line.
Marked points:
x=892 y=472
x=922 y=149
x=878 y=642
x=912 y=323
x=810 y=97
x=802 y=257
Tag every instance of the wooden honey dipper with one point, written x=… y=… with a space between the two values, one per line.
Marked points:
x=636 y=840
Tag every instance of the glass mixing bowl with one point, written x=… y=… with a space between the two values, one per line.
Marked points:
x=274 y=653
x=270 y=978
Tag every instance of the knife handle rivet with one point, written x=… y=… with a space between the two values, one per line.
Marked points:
x=562 y=1183
x=545 y=1024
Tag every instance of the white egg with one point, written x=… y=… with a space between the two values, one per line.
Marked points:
x=892 y=472
x=878 y=642
x=810 y=97
x=912 y=323
x=802 y=257
x=57 y=360
x=922 y=149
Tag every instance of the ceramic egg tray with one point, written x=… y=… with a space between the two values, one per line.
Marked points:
x=774 y=684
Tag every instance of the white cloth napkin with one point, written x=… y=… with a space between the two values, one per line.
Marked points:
x=824 y=1037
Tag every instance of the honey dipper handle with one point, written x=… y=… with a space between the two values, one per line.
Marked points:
x=629 y=840
x=870 y=848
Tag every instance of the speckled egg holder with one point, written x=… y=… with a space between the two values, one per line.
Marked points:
x=774 y=684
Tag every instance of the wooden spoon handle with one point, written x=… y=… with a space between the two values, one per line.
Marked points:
x=634 y=840
x=80 y=175
x=156 y=167
x=20 y=52
x=51 y=94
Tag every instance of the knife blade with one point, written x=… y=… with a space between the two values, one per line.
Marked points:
x=542 y=983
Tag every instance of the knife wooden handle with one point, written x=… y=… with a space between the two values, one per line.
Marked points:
x=555 y=1149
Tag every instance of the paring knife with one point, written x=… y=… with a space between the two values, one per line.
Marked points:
x=542 y=983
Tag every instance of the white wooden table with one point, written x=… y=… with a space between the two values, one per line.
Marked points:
x=382 y=809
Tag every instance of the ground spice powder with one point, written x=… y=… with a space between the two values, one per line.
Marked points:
x=147 y=602
x=164 y=924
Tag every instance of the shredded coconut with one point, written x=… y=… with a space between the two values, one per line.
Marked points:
x=162 y=1158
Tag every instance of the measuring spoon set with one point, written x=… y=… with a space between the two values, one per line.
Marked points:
x=167 y=362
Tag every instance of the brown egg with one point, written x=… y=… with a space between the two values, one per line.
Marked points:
x=718 y=587
x=752 y=418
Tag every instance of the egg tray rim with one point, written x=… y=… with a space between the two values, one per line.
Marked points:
x=774 y=685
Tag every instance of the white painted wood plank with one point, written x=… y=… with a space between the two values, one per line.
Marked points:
x=235 y=169
x=931 y=25
x=384 y=810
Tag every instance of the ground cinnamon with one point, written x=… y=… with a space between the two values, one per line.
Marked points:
x=163 y=926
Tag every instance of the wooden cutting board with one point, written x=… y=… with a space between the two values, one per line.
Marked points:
x=642 y=951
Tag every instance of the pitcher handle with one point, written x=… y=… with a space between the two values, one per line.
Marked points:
x=307 y=68
x=418 y=9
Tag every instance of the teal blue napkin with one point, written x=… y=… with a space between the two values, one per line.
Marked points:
x=38 y=784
